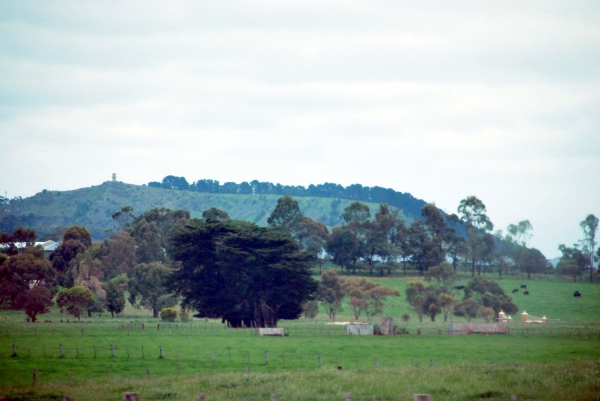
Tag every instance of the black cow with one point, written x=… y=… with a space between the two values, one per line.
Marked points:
x=526 y=293
x=577 y=294
x=515 y=290
x=523 y=286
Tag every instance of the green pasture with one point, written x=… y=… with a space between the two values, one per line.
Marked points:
x=535 y=361
x=547 y=296
x=552 y=381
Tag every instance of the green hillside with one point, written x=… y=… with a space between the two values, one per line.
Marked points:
x=93 y=207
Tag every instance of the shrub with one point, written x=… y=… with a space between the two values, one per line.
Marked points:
x=184 y=315
x=486 y=313
x=310 y=309
x=405 y=317
x=168 y=314
x=75 y=300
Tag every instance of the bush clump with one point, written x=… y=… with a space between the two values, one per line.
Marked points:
x=184 y=315
x=168 y=314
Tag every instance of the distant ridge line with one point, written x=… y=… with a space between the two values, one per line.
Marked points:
x=405 y=201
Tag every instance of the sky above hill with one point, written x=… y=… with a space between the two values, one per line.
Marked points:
x=500 y=100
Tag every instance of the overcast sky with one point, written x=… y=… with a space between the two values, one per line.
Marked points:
x=500 y=100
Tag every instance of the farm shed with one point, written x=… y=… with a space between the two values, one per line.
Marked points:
x=361 y=329
x=386 y=326
x=270 y=331
x=468 y=328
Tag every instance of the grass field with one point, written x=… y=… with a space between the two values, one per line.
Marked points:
x=547 y=297
x=534 y=362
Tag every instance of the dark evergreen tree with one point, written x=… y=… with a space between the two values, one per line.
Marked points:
x=239 y=272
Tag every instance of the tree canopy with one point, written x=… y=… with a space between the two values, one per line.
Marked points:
x=239 y=272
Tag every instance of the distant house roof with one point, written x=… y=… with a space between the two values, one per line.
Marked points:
x=49 y=246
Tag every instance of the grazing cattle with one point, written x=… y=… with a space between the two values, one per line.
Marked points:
x=523 y=286
x=515 y=290
x=577 y=294
x=526 y=293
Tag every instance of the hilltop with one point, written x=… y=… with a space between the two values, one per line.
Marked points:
x=93 y=206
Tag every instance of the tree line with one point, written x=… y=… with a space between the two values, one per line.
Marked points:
x=404 y=201
x=253 y=276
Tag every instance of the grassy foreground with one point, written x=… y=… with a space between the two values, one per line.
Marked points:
x=560 y=360
x=544 y=364
x=566 y=381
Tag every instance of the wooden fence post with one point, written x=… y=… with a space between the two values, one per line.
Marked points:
x=273 y=397
x=249 y=369
x=34 y=376
x=94 y=351
x=62 y=351
x=266 y=356
x=319 y=359
x=14 y=351
x=112 y=350
x=147 y=372
x=201 y=397
x=348 y=397
x=212 y=354
x=376 y=362
x=161 y=351
x=421 y=397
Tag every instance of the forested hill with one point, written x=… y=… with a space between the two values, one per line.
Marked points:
x=93 y=207
x=410 y=205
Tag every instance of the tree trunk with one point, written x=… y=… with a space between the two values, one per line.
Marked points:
x=154 y=313
x=89 y=313
x=112 y=314
x=528 y=275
